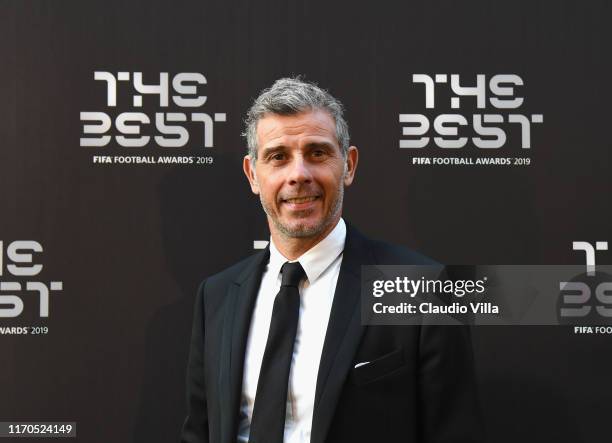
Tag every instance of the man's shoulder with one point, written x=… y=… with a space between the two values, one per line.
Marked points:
x=384 y=253
x=234 y=272
x=391 y=254
x=381 y=253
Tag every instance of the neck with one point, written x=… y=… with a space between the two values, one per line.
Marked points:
x=294 y=247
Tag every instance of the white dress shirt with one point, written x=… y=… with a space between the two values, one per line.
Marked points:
x=322 y=266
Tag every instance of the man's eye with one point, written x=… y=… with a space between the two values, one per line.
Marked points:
x=318 y=153
x=278 y=156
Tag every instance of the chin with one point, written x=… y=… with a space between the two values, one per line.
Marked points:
x=300 y=229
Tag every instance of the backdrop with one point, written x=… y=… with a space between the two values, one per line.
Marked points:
x=482 y=133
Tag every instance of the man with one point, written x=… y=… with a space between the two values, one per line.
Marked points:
x=278 y=352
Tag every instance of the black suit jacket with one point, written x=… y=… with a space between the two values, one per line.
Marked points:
x=418 y=387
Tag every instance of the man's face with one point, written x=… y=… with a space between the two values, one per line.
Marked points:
x=300 y=173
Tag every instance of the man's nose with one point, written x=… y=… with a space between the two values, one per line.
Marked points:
x=299 y=171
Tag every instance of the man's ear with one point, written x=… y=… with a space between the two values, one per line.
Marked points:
x=248 y=166
x=352 y=158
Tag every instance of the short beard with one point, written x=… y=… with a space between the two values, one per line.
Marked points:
x=302 y=231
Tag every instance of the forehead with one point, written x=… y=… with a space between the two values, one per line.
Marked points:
x=275 y=128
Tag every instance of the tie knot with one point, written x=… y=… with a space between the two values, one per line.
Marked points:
x=293 y=273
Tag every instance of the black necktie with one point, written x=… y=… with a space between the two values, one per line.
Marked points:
x=268 y=421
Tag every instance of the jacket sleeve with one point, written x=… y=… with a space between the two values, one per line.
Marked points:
x=449 y=405
x=195 y=428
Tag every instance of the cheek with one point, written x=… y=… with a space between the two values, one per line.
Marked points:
x=269 y=190
x=331 y=183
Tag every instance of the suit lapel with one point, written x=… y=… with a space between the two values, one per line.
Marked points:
x=237 y=320
x=343 y=335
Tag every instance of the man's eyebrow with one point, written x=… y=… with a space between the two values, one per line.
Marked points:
x=272 y=149
x=326 y=145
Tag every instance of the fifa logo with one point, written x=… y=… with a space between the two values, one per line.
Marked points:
x=577 y=299
x=485 y=129
x=135 y=128
x=17 y=263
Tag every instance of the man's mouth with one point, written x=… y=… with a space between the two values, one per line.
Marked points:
x=298 y=200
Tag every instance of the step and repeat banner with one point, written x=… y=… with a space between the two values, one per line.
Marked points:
x=483 y=136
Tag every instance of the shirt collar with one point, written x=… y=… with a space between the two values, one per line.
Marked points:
x=318 y=258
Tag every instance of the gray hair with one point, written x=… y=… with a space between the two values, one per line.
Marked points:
x=289 y=96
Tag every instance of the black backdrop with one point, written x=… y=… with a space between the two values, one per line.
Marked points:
x=130 y=242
